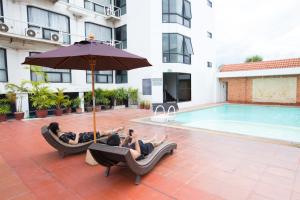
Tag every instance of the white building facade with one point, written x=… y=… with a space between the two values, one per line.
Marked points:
x=176 y=36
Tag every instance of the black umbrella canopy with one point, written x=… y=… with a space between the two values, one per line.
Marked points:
x=79 y=55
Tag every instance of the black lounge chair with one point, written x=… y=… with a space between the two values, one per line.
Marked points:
x=109 y=156
x=64 y=148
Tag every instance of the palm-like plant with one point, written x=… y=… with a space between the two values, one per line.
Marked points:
x=255 y=58
x=13 y=90
x=41 y=96
x=60 y=99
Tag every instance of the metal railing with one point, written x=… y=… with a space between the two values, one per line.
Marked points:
x=30 y=31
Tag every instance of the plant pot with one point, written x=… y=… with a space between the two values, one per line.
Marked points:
x=78 y=110
x=41 y=113
x=89 y=109
x=68 y=110
x=142 y=106
x=59 y=112
x=3 y=118
x=98 y=108
x=119 y=107
x=19 y=115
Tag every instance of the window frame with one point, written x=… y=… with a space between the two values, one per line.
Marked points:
x=89 y=73
x=209 y=35
x=2 y=12
x=182 y=15
x=209 y=3
x=89 y=22
x=49 y=28
x=5 y=63
x=183 y=47
x=209 y=64
x=124 y=6
x=143 y=92
x=123 y=41
x=122 y=76
x=51 y=72
x=94 y=6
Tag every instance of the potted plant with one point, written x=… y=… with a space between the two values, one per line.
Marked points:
x=67 y=104
x=88 y=99
x=147 y=105
x=76 y=104
x=98 y=98
x=119 y=96
x=42 y=99
x=4 y=109
x=133 y=97
x=142 y=104
x=107 y=98
x=59 y=100
x=15 y=95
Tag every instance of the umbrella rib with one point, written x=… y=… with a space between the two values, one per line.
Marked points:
x=118 y=61
x=62 y=62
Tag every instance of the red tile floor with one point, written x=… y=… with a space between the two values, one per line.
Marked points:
x=205 y=166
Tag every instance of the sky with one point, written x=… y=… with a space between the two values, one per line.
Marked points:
x=269 y=28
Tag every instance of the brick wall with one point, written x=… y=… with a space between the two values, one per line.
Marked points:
x=240 y=90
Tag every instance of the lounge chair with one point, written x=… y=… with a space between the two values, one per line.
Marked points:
x=64 y=148
x=109 y=156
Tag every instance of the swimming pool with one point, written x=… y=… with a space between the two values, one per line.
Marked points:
x=272 y=122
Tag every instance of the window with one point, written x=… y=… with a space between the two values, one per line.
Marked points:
x=209 y=3
x=3 y=66
x=176 y=48
x=147 y=87
x=101 y=33
x=1 y=11
x=184 y=87
x=49 y=22
x=121 y=76
x=51 y=75
x=209 y=64
x=67 y=1
x=97 y=5
x=177 y=11
x=209 y=34
x=100 y=76
x=121 y=35
x=121 y=4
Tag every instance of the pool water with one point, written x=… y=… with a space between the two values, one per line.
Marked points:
x=272 y=122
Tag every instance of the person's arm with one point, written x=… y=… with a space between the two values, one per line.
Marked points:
x=109 y=132
x=137 y=152
x=74 y=141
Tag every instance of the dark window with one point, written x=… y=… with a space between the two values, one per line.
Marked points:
x=51 y=75
x=97 y=5
x=49 y=23
x=209 y=64
x=147 y=87
x=100 y=76
x=176 y=48
x=121 y=4
x=209 y=34
x=102 y=33
x=209 y=3
x=121 y=76
x=177 y=11
x=184 y=87
x=121 y=35
x=1 y=11
x=3 y=65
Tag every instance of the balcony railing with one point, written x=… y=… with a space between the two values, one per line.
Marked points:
x=109 y=11
x=28 y=31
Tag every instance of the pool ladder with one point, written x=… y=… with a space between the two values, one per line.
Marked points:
x=164 y=117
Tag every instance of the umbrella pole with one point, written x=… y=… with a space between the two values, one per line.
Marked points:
x=92 y=64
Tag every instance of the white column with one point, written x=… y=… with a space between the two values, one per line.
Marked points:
x=81 y=96
x=22 y=103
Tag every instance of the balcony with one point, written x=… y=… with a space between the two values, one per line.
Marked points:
x=110 y=12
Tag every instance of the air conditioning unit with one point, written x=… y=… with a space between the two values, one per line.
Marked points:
x=31 y=32
x=4 y=27
x=55 y=37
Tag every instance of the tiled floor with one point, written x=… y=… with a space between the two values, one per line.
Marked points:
x=205 y=166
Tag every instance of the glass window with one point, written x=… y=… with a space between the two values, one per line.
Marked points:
x=209 y=34
x=100 y=76
x=209 y=3
x=177 y=11
x=97 y=5
x=121 y=76
x=50 y=22
x=3 y=65
x=176 y=48
x=147 y=87
x=1 y=11
x=101 y=33
x=184 y=87
x=121 y=35
x=209 y=64
x=51 y=75
x=121 y=4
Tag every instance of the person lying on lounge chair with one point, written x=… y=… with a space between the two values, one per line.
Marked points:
x=138 y=148
x=73 y=138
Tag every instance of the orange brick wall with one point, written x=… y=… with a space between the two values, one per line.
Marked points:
x=240 y=90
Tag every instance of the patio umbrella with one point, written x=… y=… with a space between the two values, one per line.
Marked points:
x=88 y=55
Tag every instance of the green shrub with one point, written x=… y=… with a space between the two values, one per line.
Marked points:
x=4 y=106
x=88 y=98
x=76 y=102
x=41 y=97
x=133 y=96
x=120 y=95
x=60 y=99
